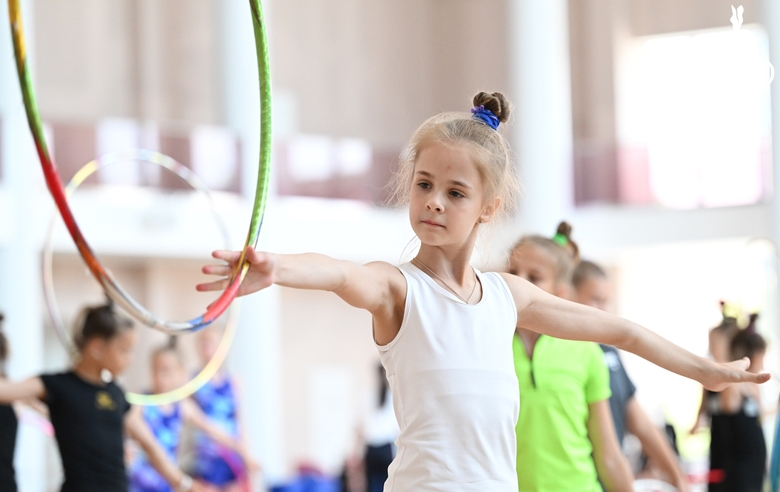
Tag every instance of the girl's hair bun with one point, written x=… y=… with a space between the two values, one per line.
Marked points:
x=564 y=229
x=751 y=327
x=496 y=103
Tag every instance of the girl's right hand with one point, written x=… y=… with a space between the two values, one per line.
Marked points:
x=720 y=376
x=261 y=274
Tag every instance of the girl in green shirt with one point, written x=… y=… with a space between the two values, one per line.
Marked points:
x=565 y=436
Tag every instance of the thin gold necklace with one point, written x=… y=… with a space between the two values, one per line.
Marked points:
x=473 y=289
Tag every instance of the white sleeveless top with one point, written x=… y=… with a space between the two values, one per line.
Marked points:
x=455 y=390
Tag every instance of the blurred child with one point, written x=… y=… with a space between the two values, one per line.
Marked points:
x=565 y=435
x=442 y=328
x=380 y=432
x=8 y=426
x=591 y=287
x=737 y=448
x=91 y=416
x=719 y=341
x=219 y=400
x=166 y=422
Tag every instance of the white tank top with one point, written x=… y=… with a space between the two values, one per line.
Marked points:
x=455 y=390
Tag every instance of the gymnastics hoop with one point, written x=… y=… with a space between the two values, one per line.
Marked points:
x=112 y=289
x=192 y=179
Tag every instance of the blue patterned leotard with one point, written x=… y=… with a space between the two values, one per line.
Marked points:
x=218 y=402
x=167 y=430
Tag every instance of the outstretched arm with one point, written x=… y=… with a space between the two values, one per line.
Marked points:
x=654 y=444
x=136 y=428
x=611 y=465
x=545 y=313
x=29 y=389
x=193 y=415
x=377 y=287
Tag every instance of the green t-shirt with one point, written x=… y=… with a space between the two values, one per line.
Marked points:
x=554 y=453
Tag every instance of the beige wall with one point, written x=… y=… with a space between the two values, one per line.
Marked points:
x=376 y=69
x=369 y=69
x=145 y=59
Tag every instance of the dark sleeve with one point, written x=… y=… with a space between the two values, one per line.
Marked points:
x=120 y=397
x=622 y=374
x=50 y=384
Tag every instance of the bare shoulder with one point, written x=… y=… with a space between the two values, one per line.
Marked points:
x=390 y=273
x=521 y=289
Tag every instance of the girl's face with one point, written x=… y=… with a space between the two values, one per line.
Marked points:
x=166 y=372
x=536 y=265
x=114 y=354
x=593 y=292
x=447 y=199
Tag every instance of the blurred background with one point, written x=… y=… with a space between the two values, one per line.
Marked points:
x=647 y=124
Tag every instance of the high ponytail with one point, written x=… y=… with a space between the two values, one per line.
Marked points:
x=101 y=322
x=561 y=247
x=748 y=343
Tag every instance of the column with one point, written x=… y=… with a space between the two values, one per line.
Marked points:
x=255 y=356
x=20 y=268
x=542 y=131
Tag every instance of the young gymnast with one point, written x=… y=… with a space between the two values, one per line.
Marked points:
x=737 y=448
x=443 y=329
x=219 y=400
x=167 y=421
x=591 y=287
x=565 y=436
x=90 y=415
x=8 y=426
x=719 y=342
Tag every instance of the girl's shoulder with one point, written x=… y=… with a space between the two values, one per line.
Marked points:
x=385 y=268
x=394 y=275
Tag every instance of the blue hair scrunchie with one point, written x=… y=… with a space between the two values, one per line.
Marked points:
x=486 y=116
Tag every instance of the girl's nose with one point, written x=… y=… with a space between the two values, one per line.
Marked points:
x=435 y=204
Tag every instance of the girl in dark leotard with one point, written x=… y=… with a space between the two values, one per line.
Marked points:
x=738 y=449
x=90 y=417
x=8 y=425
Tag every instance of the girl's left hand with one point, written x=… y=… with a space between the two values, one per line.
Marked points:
x=724 y=374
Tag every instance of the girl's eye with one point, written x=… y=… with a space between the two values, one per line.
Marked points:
x=456 y=194
x=424 y=185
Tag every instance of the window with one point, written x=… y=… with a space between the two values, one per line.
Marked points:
x=696 y=108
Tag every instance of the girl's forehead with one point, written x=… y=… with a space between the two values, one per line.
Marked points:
x=125 y=336
x=529 y=254
x=440 y=158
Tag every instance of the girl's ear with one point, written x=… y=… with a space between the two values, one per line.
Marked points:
x=489 y=210
x=95 y=348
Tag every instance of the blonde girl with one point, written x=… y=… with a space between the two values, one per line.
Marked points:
x=443 y=329
x=565 y=436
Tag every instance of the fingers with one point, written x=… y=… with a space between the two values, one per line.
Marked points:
x=212 y=286
x=226 y=255
x=253 y=256
x=760 y=378
x=222 y=270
